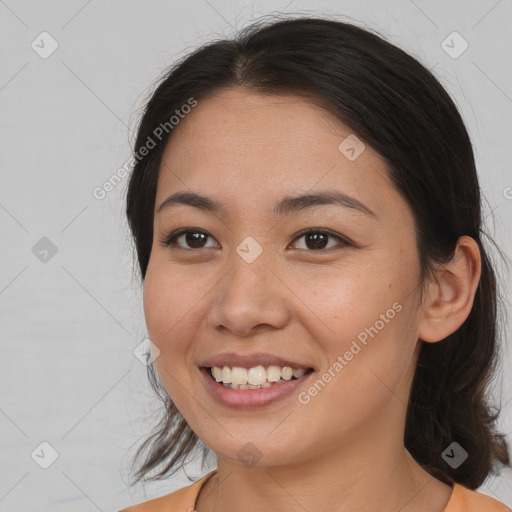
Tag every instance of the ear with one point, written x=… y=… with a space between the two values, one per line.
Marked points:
x=451 y=292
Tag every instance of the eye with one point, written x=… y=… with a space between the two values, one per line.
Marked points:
x=192 y=236
x=315 y=239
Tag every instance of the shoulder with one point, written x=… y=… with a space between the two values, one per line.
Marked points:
x=183 y=499
x=468 y=500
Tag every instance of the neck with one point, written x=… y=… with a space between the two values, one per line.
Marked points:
x=374 y=472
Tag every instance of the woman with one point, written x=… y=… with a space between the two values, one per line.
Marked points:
x=306 y=212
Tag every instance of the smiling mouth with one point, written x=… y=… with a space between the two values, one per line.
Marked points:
x=258 y=377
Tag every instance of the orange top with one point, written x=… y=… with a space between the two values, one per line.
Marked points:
x=184 y=499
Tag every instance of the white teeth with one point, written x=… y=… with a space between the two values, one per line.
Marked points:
x=273 y=373
x=286 y=373
x=298 y=373
x=256 y=377
x=226 y=375
x=238 y=376
x=217 y=373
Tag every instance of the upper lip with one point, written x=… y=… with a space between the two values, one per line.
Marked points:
x=250 y=360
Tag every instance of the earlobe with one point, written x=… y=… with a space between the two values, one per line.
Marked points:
x=451 y=292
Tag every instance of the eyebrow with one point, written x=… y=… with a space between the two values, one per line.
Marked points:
x=286 y=205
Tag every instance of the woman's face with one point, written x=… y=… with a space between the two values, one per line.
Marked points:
x=346 y=307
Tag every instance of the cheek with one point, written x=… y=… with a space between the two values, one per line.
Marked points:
x=168 y=303
x=165 y=303
x=169 y=298
x=368 y=319
x=350 y=299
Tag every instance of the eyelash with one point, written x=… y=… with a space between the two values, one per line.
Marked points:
x=169 y=241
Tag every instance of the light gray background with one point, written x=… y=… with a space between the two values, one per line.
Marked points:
x=69 y=325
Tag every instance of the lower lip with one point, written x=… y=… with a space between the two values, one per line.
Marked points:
x=243 y=398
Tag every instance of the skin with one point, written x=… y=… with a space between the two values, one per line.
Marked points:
x=345 y=446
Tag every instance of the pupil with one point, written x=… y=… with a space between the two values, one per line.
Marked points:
x=193 y=238
x=317 y=237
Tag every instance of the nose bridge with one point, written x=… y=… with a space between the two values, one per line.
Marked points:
x=249 y=277
x=252 y=259
x=249 y=294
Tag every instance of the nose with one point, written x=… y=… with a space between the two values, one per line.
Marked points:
x=250 y=298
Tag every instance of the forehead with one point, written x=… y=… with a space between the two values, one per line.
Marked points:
x=263 y=146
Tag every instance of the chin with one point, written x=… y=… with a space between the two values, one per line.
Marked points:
x=256 y=452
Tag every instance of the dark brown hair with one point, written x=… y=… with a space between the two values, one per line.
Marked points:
x=395 y=105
